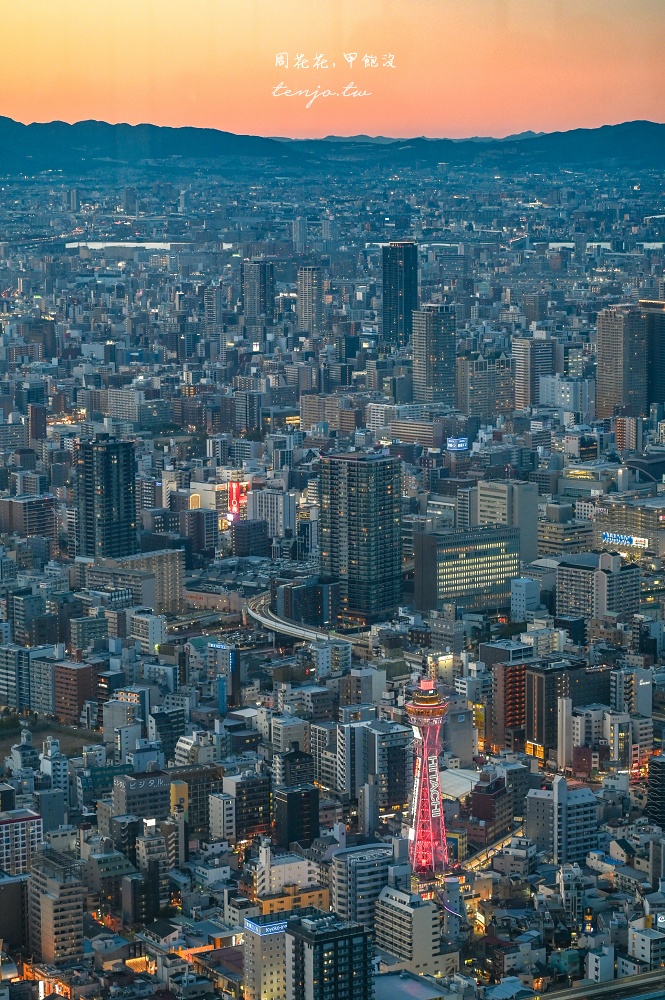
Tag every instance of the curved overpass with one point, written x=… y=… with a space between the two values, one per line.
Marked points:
x=258 y=608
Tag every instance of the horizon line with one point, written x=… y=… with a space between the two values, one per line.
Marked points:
x=523 y=135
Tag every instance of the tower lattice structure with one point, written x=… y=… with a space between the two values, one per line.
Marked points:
x=428 y=851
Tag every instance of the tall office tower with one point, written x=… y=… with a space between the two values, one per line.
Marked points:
x=653 y=311
x=532 y=357
x=310 y=300
x=400 y=291
x=360 y=539
x=357 y=876
x=428 y=850
x=55 y=909
x=621 y=354
x=434 y=344
x=106 y=501
x=468 y=567
x=258 y=289
x=299 y=234
x=512 y=503
x=327 y=958
x=655 y=809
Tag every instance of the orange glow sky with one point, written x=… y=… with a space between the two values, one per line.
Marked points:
x=462 y=67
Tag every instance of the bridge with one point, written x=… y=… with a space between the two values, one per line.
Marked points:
x=258 y=608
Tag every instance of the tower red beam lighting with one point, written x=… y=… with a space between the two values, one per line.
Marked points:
x=428 y=851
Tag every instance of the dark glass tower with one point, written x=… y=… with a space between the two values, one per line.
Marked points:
x=400 y=291
x=360 y=533
x=106 y=498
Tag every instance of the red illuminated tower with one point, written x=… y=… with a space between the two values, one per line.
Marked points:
x=428 y=852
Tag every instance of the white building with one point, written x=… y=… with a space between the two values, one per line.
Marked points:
x=222 y=822
x=408 y=926
x=276 y=507
x=524 y=597
x=148 y=629
x=562 y=821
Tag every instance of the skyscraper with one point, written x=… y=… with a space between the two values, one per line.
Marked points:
x=434 y=354
x=653 y=311
x=105 y=498
x=258 y=288
x=360 y=538
x=621 y=349
x=310 y=299
x=400 y=290
x=532 y=357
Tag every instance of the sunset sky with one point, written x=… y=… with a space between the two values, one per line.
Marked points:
x=461 y=67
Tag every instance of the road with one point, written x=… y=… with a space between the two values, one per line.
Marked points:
x=258 y=608
x=479 y=861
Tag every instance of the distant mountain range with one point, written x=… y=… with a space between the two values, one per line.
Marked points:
x=90 y=145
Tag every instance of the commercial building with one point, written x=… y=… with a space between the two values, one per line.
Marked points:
x=511 y=503
x=468 y=567
x=621 y=352
x=360 y=540
x=296 y=815
x=533 y=357
x=400 y=291
x=327 y=958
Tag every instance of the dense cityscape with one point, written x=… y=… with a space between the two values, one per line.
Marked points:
x=332 y=597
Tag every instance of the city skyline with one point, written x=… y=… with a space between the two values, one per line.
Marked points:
x=504 y=68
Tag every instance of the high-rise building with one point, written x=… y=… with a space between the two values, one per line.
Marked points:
x=408 y=927
x=653 y=311
x=296 y=814
x=434 y=343
x=621 y=352
x=264 y=957
x=20 y=839
x=327 y=958
x=469 y=567
x=593 y=585
x=105 y=498
x=485 y=385
x=400 y=291
x=562 y=821
x=357 y=876
x=258 y=289
x=251 y=792
x=512 y=503
x=360 y=539
x=310 y=300
x=655 y=809
x=508 y=704
x=532 y=357
x=55 y=909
